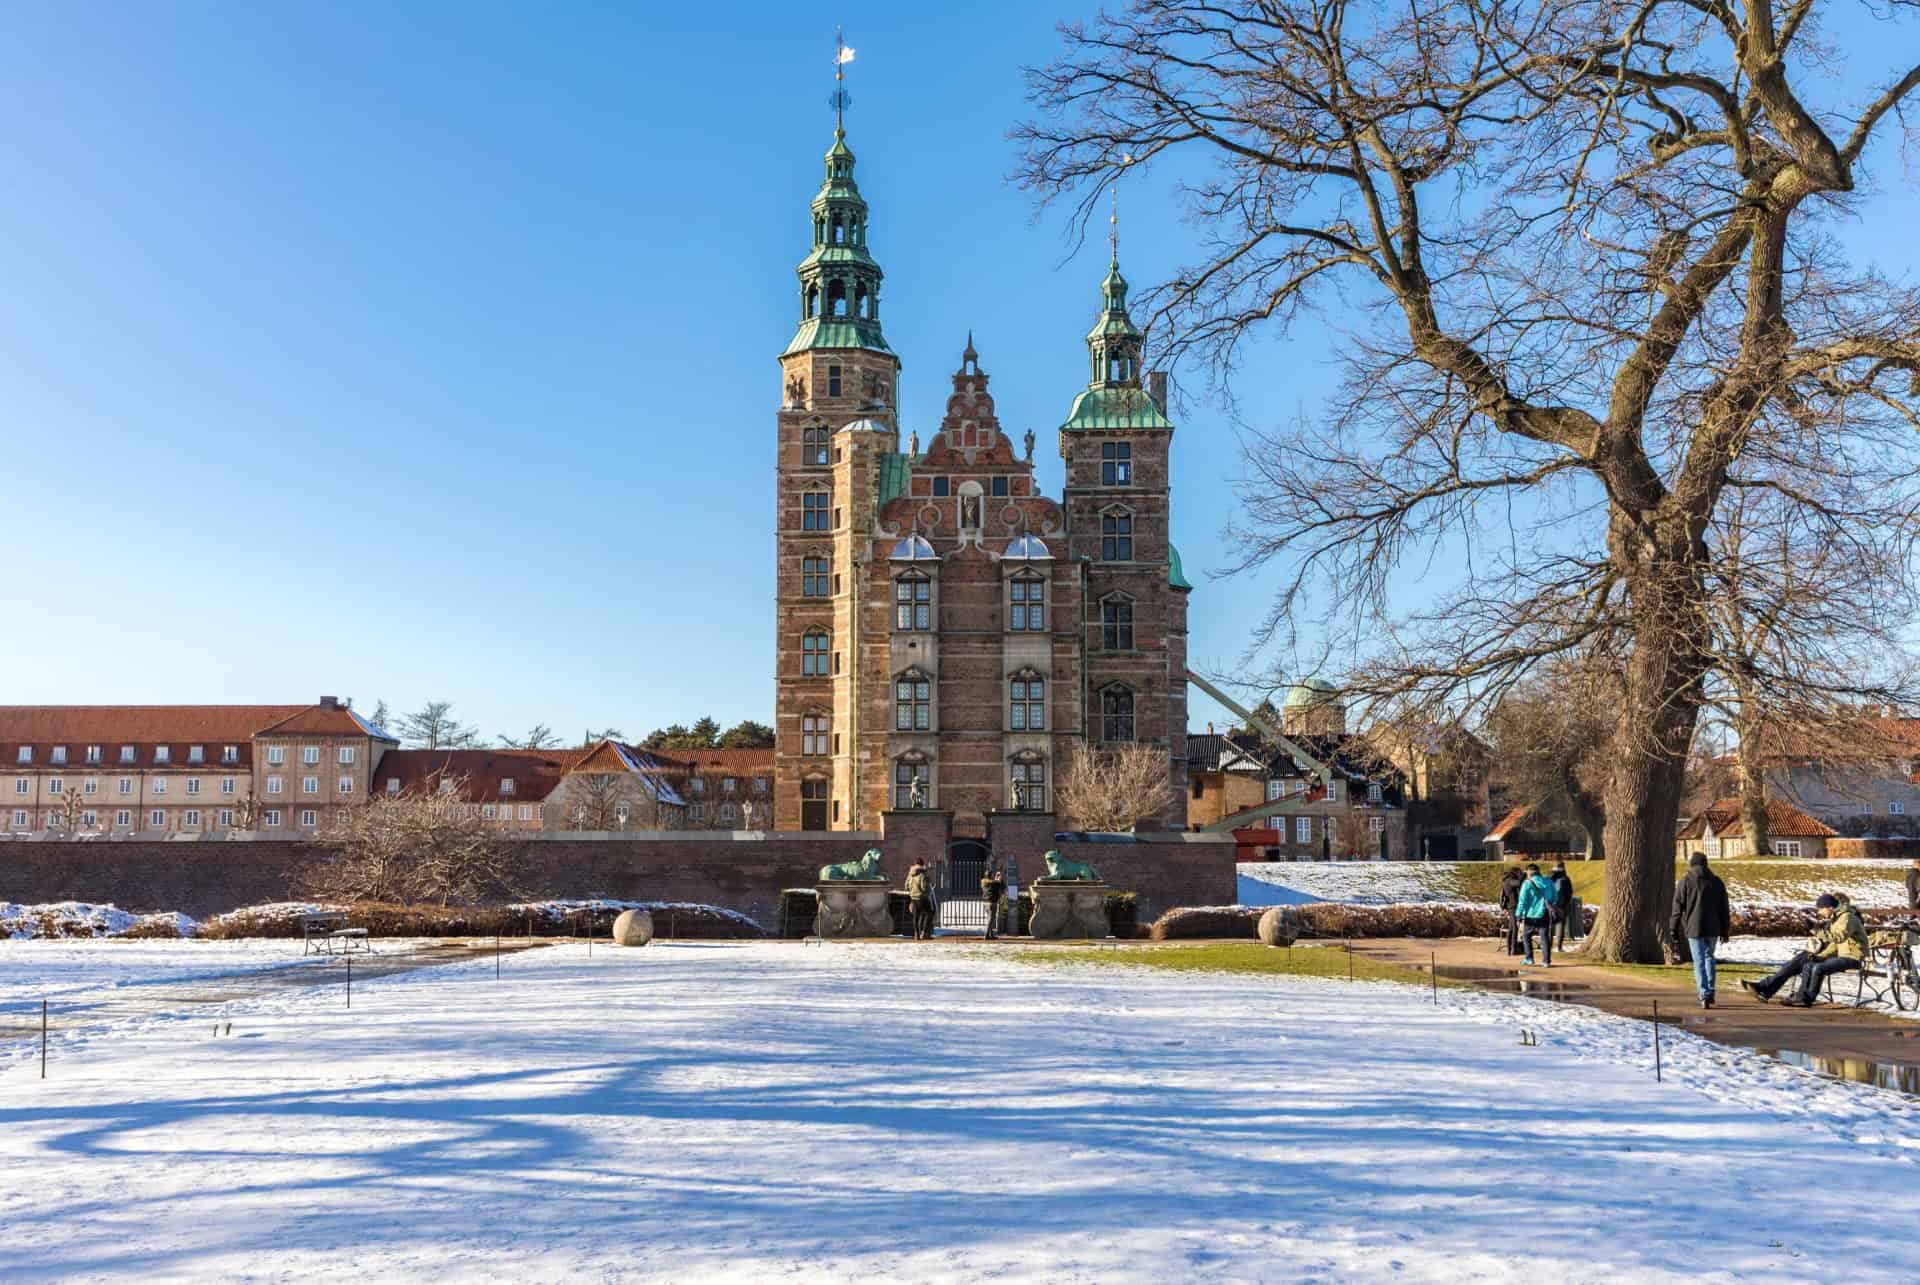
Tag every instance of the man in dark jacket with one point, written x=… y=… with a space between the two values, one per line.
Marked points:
x=1509 y=901
x=1702 y=916
x=993 y=891
x=1838 y=944
x=1913 y=885
x=1569 y=926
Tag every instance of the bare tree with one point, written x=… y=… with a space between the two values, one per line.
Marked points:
x=1551 y=735
x=416 y=846
x=598 y=801
x=538 y=737
x=381 y=714
x=433 y=727
x=1596 y=296
x=1113 y=787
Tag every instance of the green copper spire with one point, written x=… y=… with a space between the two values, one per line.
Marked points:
x=839 y=281
x=1114 y=397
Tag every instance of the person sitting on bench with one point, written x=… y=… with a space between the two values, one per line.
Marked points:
x=1839 y=944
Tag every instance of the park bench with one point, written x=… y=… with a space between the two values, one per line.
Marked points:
x=324 y=932
x=1887 y=973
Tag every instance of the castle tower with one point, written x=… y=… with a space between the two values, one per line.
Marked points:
x=836 y=422
x=1115 y=443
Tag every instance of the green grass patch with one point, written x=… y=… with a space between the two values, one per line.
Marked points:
x=1235 y=957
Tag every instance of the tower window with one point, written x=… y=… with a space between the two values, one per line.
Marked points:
x=907 y=772
x=1027 y=703
x=813 y=654
x=813 y=445
x=1116 y=464
x=833 y=372
x=1028 y=612
x=913 y=602
x=999 y=487
x=943 y=486
x=813 y=577
x=1116 y=624
x=913 y=702
x=813 y=511
x=813 y=733
x=1030 y=785
x=837 y=301
x=1116 y=536
x=1116 y=714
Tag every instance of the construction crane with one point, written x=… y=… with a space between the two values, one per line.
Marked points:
x=1301 y=759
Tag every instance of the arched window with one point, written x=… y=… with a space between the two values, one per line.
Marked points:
x=1029 y=773
x=1116 y=714
x=839 y=231
x=814 y=443
x=814 y=730
x=913 y=602
x=814 y=575
x=837 y=299
x=1116 y=623
x=860 y=301
x=1027 y=702
x=913 y=702
x=813 y=653
x=813 y=301
x=911 y=771
x=1116 y=536
x=1028 y=610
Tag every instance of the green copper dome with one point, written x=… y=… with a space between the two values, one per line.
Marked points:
x=1114 y=397
x=839 y=280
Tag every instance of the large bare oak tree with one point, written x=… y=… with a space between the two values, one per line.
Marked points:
x=1587 y=253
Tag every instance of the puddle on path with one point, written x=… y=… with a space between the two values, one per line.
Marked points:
x=1507 y=979
x=1902 y=1077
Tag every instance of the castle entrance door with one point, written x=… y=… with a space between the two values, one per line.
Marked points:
x=962 y=909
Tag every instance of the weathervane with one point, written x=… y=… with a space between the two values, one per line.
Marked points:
x=1113 y=219
x=840 y=99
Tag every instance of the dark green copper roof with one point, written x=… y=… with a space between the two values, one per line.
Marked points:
x=837 y=332
x=1176 y=578
x=894 y=472
x=1114 y=406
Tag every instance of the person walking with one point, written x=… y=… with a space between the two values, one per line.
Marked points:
x=920 y=901
x=1702 y=915
x=1509 y=901
x=1913 y=885
x=1568 y=927
x=1535 y=908
x=1838 y=945
x=993 y=891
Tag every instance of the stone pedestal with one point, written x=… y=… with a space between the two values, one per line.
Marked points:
x=1068 y=908
x=852 y=908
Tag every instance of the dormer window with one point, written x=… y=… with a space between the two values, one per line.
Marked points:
x=128 y=754
x=393 y=785
x=59 y=754
x=506 y=785
x=196 y=753
x=26 y=754
x=162 y=753
x=93 y=753
x=229 y=753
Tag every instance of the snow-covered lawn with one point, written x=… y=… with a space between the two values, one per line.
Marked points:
x=896 y=1112
x=34 y=970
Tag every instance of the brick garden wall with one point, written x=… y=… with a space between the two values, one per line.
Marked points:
x=744 y=873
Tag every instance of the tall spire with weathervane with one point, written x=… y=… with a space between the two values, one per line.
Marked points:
x=839 y=281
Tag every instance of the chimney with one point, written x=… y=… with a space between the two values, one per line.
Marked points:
x=1157 y=388
x=329 y=702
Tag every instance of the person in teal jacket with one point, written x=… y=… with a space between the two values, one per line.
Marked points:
x=1535 y=914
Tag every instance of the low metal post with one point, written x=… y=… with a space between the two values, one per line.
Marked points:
x=349 y=981
x=1433 y=967
x=1657 y=1078
x=496 y=957
x=1349 y=956
x=43 y=1039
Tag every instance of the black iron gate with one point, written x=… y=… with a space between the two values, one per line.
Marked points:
x=962 y=909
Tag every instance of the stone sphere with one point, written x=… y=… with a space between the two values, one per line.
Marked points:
x=633 y=928
x=1278 y=927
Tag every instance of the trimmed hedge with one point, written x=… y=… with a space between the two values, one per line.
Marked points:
x=383 y=920
x=1332 y=920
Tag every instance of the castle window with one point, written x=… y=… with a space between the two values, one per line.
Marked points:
x=813 y=654
x=813 y=446
x=1116 y=623
x=1116 y=464
x=1030 y=784
x=909 y=770
x=999 y=487
x=1116 y=714
x=813 y=733
x=913 y=702
x=813 y=511
x=813 y=301
x=860 y=301
x=837 y=303
x=943 y=486
x=1027 y=702
x=833 y=372
x=1028 y=612
x=913 y=602
x=813 y=577
x=1116 y=536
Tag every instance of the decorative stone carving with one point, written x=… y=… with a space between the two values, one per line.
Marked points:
x=852 y=908
x=1068 y=908
x=1279 y=926
x=633 y=928
x=1058 y=867
x=867 y=867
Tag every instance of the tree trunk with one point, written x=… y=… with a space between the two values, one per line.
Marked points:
x=1592 y=820
x=1753 y=781
x=1642 y=799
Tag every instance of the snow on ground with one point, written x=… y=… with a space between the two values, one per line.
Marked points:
x=1361 y=883
x=34 y=970
x=83 y=919
x=708 y=1111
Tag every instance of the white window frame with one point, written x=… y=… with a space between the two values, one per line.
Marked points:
x=276 y=755
x=1375 y=824
x=226 y=818
x=20 y=819
x=506 y=785
x=346 y=785
x=526 y=811
x=309 y=785
x=93 y=753
x=229 y=753
x=489 y=812
x=271 y=817
x=226 y=785
x=310 y=755
x=1276 y=788
x=128 y=754
x=26 y=754
x=276 y=784
x=125 y=786
x=345 y=757
x=156 y=819
x=196 y=753
x=393 y=785
x=1303 y=829
x=1333 y=789
x=90 y=786
x=193 y=785
x=1896 y=808
x=159 y=785
x=1786 y=848
x=309 y=818
x=124 y=818
x=20 y=785
x=57 y=757
x=162 y=754
x=56 y=785
x=192 y=817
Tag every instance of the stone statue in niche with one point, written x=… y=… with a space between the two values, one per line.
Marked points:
x=917 y=795
x=970 y=511
x=797 y=390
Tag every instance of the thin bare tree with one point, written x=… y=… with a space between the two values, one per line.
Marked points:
x=433 y=727
x=538 y=737
x=421 y=845
x=1113 y=787
x=1586 y=251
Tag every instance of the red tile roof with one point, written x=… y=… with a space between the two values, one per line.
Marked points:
x=534 y=773
x=1508 y=822
x=326 y=720
x=718 y=762
x=146 y=728
x=1784 y=821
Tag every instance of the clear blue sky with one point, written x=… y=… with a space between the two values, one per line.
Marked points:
x=427 y=350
